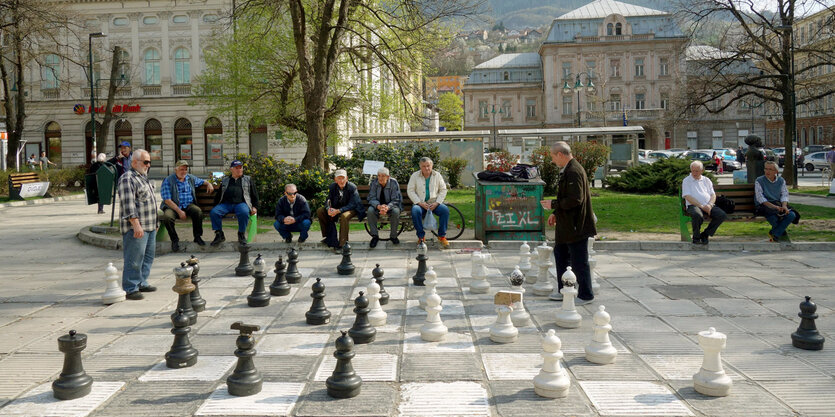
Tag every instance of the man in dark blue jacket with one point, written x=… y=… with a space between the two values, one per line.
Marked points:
x=343 y=203
x=292 y=214
x=384 y=199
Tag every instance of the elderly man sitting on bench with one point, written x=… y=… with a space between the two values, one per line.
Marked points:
x=697 y=190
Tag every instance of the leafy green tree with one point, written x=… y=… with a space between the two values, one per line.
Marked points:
x=451 y=111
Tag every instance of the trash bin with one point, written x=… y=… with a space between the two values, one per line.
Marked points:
x=509 y=210
x=106 y=181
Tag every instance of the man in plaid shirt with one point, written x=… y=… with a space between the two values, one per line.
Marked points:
x=138 y=225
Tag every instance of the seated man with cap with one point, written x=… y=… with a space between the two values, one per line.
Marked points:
x=237 y=195
x=343 y=203
x=292 y=214
x=179 y=193
x=123 y=159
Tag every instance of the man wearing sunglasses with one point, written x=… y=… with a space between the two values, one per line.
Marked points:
x=292 y=214
x=237 y=195
x=138 y=225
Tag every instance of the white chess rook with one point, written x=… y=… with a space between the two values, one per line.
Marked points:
x=376 y=315
x=552 y=380
x=600 y=350
x=711 y=379
x=543 y=284
x=433 y=329
x=113 y=292
x=525 y=257
x=479 y=284
x=567 y=316
x=503 y=331
x=430 y=283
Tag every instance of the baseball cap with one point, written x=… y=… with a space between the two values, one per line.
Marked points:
x=340 y=173
x=182 y=162
x=236 y=163
x=126 y=143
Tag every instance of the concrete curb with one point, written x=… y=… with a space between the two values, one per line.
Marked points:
x=42 y=201
x=659 y=246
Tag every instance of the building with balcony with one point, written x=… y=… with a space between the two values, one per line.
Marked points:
x=604 y=64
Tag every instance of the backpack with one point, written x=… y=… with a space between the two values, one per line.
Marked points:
x=726 y=204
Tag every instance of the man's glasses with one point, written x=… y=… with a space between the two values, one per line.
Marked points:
x=147 y=162
x=289 y=193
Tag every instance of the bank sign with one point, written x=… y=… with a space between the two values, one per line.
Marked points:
x=119 y=108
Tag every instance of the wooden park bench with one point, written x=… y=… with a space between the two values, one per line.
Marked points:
x=206 y=202
x=741 y=194
x=383 y=221
x=16 y=181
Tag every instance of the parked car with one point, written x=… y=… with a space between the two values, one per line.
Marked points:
x=729 y=162
x=704 y=155
x=815 y=148
x=815 y=161
x=769 y=155
x=656 y=155
x=781 y=155
x=642 y=153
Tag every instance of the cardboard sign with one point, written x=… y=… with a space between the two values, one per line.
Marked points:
x=33 y=189
x=371 y=167
x=506 y=298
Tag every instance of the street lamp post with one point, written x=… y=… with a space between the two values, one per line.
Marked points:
x=92 y=90
x=578 y=86
x=495 y=133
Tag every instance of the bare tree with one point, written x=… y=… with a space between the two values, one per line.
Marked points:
x=762 y=57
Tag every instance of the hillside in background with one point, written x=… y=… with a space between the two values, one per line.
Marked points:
x=519 y=14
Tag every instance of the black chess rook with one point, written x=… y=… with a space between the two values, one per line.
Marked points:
x=318 y=313
x=245 y=380
x=73 y=382
x=362 y=331
x=344 y=382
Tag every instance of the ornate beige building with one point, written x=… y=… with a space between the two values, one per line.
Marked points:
x=604 y=64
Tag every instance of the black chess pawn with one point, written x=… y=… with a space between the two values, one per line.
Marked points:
x=73 y=382
x=280 y=286
x=377 y=273
x=344 y=382
x=245 y=379
x=244 y=268
x=362 y=331
x=259 y=296
x=318 y=313
x=293 y=276
x=420 y=274
x=184 y=287
x=807 y=335
x=345 y=267
x=197 y=301
x=182 y=354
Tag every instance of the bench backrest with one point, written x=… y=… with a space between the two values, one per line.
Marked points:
x=15 y=180
x=407 y=202
x=741 y=194
x=205 y=200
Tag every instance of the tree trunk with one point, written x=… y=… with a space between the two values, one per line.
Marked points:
x=317 y=136
x=788 y=165
x=108 y=108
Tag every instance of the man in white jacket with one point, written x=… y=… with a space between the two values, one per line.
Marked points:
x=427 y=191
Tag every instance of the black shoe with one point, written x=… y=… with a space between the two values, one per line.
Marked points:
x=219 y=238
x=242 y=238
x=395 y=240
x=705 y=239
x=101 y=211
x=302 y=240
x=148 y=288
x=136 y=295
x=325 y=240
x=697 y=241
x=175 y=246
x=289 y=240
x=198 y=240
x=374 y=240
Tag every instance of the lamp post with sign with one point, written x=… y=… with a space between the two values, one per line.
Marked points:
x=92 y=90
x=578 y=87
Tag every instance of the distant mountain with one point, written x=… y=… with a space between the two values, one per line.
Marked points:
x=518 y=14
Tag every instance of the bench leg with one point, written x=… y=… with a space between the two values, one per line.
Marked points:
x=683 y=224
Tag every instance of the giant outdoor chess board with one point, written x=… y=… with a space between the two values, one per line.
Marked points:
x=465 y=375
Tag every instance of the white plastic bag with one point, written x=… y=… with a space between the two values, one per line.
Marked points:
x=429 y=222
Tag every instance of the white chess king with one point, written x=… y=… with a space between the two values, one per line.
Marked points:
x=711 y=379
x=552 y=380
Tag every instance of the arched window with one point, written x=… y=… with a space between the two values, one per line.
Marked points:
x=182 y=72
x=52 y=137
x=213 y=135
x=609 y=29
x=151 y=67
x=50 y=70
x=153 y=139
x=506 y=76
x=182 y=140
x=618 y=29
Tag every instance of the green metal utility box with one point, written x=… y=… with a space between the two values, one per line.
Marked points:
x=509 y=211
x=106 y=183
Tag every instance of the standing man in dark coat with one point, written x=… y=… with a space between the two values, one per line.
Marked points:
x=574 y=220
x=755 y=158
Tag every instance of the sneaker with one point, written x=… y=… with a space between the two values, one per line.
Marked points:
x=555 y=297
x=395 y=240
x=582 y=302
x=373 y=243
x=148 y=288
x=136 y=295
x=421 y=240
x=444 y=243
x=219 y=238
x=198 y=240
x=289 y=240
x=175 y=246
x=771 y=237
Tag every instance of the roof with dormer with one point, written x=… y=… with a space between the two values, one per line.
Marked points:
x=522 y=60
x=601 y=8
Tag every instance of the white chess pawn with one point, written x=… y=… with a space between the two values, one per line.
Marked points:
x=525 y=257
x=433 y=329
x=479 y=284
x=520 y=316
x=503 y=331
x=531 y=277
x=711 y=379
x=567 y=316
x=113 y=292
x=595 y=286
x=543 y=284
x=552 y=380
x=430 y=282
x=600 y=350
x=376 y=315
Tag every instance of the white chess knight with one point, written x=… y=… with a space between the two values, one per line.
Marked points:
x=543 y=284
x=376 y=316
x=430 y=282
x=600 y=350
x=433 y=329
x=503 y=331
x=567 y=316
x=595 y=286
x=552 y=380
x=113 y=292
x=525 y=257
x=711 y=379
x=479 y=284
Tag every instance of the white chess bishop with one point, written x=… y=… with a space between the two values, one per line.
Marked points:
x=479 y=284
x=430 y=282
x=113 y=292
x=376 y=316
x=433 y=329
x=525 y=257
x=600 y=350
x=543 y=284
x=567 y=316
x=711 y=379
x=552 y=380
x=503 y=331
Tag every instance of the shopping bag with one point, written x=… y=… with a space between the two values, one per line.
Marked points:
x=429 y=222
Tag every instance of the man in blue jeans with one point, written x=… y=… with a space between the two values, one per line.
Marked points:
x=237 y=195
x=427 y=191
x=138 y=225
x=292 y=214
x=772 y=198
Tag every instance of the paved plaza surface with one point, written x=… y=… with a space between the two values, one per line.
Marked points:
x=659 y=301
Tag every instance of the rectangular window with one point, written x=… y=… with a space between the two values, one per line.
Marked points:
x=591 y=68
x=640 y=101
x=530 y=108
x=614 y=102
x=665 y=101
x=662 y=67
x=506 y=109
x=590 y=104
x=568 y=104
x=566 y=69
x=614 y=68
x=639 y=67
x=482 y=109
x=152 y=73
x=50 y=70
